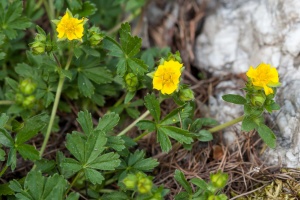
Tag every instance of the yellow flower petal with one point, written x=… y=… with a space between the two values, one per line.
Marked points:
x=167 y=77
x=264 y=76
x=268 y=90
x=70 y=27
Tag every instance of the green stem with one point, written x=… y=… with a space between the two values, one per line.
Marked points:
x=128 y=19
x=6 y=102
x=134 y=123
x=106 y=191
x=225 y=125
x=73 y=182
x=141 y=136
x=55 y=105
x=3 y=170
x=110 y=181
x=49 y=7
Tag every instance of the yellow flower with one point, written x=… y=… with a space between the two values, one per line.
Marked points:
x=166 y=77
x=70 y=27
x=264 y=76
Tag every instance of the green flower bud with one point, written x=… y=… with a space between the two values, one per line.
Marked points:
x=27 y=87
x=144 y=185
x=38 y=47
x=19 y=98
x=130 y=181
x=219 y=179
x=48 y=46
x=28 y=101
x=95 y=39
x=131 y=81
x=186 y=95
x=40 y=38
x=213 y=197
x=258 y=99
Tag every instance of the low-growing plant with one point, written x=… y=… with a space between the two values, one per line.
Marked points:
x=88 y=58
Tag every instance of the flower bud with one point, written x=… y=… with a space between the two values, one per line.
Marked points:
x=130 y=181
x=28 y=101
x=144 y=185
x=27 y=87
x=219 y=179
x=40 y=38
x=95 y=39
x=19 y=98
x=131 y=81
x=258 y=99
x=213 y=197
x=186 y=94
x=38 y=47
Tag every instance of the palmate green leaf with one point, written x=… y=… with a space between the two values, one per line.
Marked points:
x=115 y=195
x=200 y=183
x=3 y=120
x=38 y=187
x=108 y=161
x=12 y=83
x=177 y=115
x=69 y=166
x=204 y=136
x=31 y=128
x=85 y=121
x=2 y=155
x=146 y=125
x=94 y=146
x=152 y=105
x=45 y=165
x=98 y=75
x=12 y=158
x=233 y=98
x=108 y=122
x=249 y=123
x=11 y=19
x=85 y=86
x=28 y=152
x=93 y=176
x=267 y=135
x=115 y=142
x=88 y=9
x=138 y=161
x=164 y=141
x=6 y=190
x=89 y=70
x=76 y=145
x=87 y=149
x=129 y=46
x=176 y=133
x=73 y=196
x=5 y=138
x=180 y=178
x=2 y=55
x=75 y=4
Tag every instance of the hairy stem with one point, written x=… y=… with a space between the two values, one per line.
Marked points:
x=141 y=136
x=73 y=182
x=227 y=124
x=143 y=116
x=3 y=170
x=55 y=105
x=6 y=102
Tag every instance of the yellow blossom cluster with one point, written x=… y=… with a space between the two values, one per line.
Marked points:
x=167 y=77
x=70 y=27
x=264 y=76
